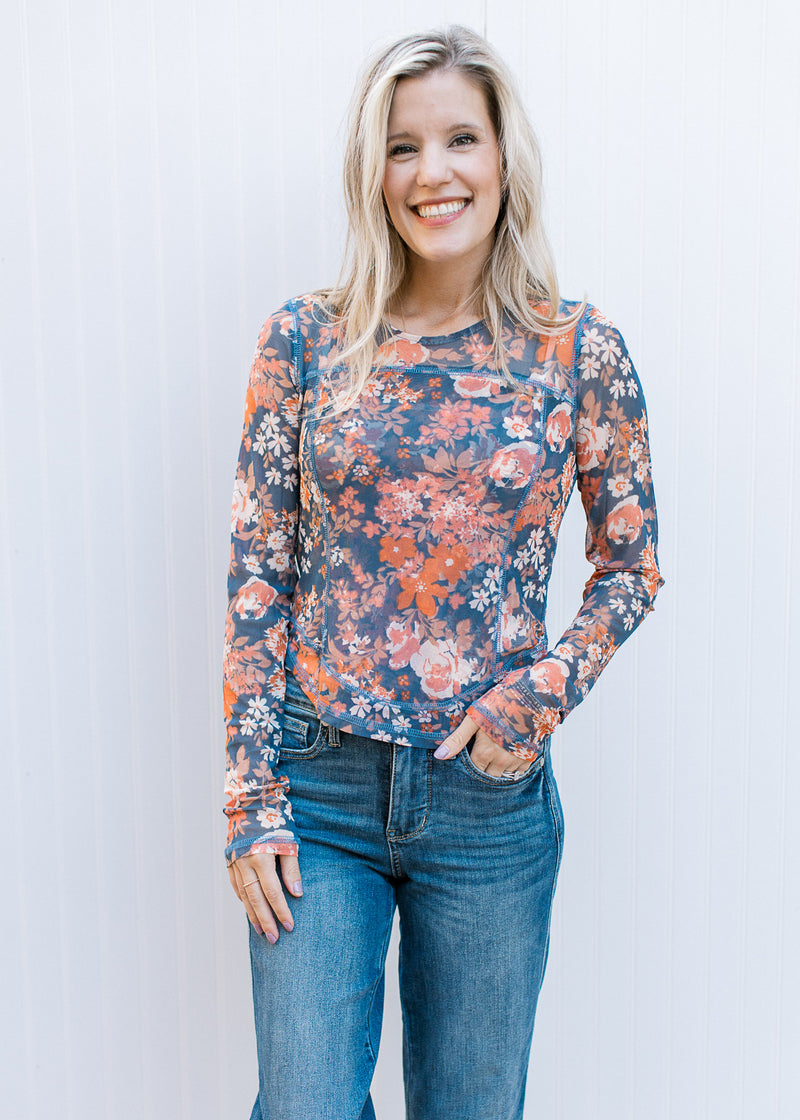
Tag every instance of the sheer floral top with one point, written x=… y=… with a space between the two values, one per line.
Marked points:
x=396 y=556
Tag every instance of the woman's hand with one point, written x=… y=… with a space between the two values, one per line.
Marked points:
x=255 y=880
x=486 y=754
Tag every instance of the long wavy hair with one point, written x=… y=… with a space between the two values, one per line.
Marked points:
x=520 y=271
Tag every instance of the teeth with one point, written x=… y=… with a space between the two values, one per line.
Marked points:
x=442 y=208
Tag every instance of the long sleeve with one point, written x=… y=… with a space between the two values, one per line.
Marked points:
x=612 y=466
x=261 y=582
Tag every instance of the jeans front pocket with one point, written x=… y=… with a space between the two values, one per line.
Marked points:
x=498 y=779
x=304 y=734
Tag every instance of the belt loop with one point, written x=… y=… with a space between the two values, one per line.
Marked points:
x=333 y=735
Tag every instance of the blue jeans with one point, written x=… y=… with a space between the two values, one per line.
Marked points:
x=471 y=862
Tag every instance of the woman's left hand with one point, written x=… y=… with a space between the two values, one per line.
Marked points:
x=485 y=753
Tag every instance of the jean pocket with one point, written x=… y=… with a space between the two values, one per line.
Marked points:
x=304 y=734
x=499 y=780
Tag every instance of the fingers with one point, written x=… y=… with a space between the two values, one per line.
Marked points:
x=496 y=760
x=234 y=881
x=290 y=873
x=458 y=739
x=487 y=755
x=257 y=885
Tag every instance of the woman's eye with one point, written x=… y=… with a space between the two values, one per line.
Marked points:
x=464 y=139
x=400 y=149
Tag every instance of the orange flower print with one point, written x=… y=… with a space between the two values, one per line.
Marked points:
x=474 y=386
x=254 y=599
x=235 y=787
x=441 y=668
x=514 y=628
x=624 y=522
x=420 y=589
x=550 y=676
x=560 y=346
x=544 y=724
x=480 y=352
x=249 y=404
x=229 y=698
x=237 y=822
x=285 y=325
x=452 y=422
x=448 y=562
x=591 y=443
x=526 y=753
x=403 y=644
x=513 y=466
x=275 y=639
x=398 y=551
x=407 y=352
x=244 y=509
x=650 y=572
x=559 y=426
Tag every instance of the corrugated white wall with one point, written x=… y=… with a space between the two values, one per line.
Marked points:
x=170 y=174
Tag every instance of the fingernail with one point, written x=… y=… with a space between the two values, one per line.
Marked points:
x=288 y=925
x=257 y=927
x=271 y=937
x=297 y=888
x=442 y=752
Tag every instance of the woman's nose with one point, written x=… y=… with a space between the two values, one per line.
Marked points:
x=433 y=166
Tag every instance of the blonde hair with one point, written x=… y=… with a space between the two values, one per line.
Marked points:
x=520 y=269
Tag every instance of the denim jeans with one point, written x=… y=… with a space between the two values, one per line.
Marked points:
x=470 y=861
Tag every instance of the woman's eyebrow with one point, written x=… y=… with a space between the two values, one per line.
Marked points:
x=452 y=128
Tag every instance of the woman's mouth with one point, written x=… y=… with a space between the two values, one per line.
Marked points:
x=440 y=213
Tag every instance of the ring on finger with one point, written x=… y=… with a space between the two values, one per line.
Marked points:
x=250 y=883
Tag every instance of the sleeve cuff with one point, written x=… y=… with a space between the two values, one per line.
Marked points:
x=523 y=726
x=283 y=845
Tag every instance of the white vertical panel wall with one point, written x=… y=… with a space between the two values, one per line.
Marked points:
x=170 y=174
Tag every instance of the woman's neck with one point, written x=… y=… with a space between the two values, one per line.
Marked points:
x=432 y=302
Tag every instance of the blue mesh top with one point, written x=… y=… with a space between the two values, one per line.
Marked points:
x=397 y=555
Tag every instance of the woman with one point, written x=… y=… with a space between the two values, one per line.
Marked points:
x=411 y=440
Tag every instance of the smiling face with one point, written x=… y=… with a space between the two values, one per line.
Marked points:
x=442 y=177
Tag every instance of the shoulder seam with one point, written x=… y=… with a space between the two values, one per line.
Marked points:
x=579 y=329
x=297 y=349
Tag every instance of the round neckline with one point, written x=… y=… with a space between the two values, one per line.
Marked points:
x=411 y=337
